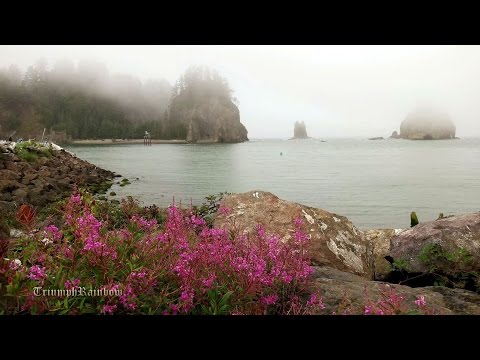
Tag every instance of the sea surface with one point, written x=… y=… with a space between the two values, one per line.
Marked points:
x=376 y=184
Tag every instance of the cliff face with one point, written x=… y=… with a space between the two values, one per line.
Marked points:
x=427 y=124
x=208 y=119
x=300 y=131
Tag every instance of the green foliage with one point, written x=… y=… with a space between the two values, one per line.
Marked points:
x=400 y=265
x=27 y=155
x=434 y=254
x=413 y=219
x=219 y=302
x=209 y=208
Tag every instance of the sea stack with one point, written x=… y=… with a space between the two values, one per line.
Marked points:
x=395 y=135
x=426 y=123
x=299 y=131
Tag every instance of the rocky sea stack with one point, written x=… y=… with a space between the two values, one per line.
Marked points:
x=427 y=124
x=203 y=109
x=208 y=119
x=395 y=135
x=300 y=131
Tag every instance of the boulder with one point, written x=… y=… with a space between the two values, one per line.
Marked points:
x=447 y=246
x=379 y=240
x=427 y=124
x=347 y=293
x=335 y=241
x=20 y=195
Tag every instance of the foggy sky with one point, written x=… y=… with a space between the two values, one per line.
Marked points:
x=338 y=91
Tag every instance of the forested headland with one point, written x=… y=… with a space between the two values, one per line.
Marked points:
x=84 y=101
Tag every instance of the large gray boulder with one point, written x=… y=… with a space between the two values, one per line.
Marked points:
x=335 y=241
x=448 y=246
x=346 y=293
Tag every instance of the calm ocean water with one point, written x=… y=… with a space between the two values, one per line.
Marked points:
x=376 y=184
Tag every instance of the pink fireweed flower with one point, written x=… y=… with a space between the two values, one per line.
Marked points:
x=175 y=309
x=316 y=300
x=53 y=233
x=260 y=231
x=209 y=282
x=224 y=210
x=37 y=273
x=67 y=251
x=15 y=264
x=88 y=226
x=298 y=221
x=300 y=237
x=99 y=249
x=287 y=278
x=421 y=301
x=145 y=225
x=269 y=300
x=187 y=298
x=368 y=310
x=162 y=238
x=72 y=284
x=128 y=298
x=138 y=275
x=109 y=309
x=197 y=221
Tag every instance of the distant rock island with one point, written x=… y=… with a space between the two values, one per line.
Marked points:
x=299 y=131
x=395 y=135
x=427 y=124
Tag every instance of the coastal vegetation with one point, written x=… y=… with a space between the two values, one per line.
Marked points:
x=86 y=102
x=101 y=258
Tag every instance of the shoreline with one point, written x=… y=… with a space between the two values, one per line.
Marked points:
x=123 y=142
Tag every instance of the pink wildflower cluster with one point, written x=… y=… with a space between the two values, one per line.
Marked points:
x=143 y=224
x=87 y=227
x=72 y=284
x=392 y=303
x=259 y=263
x=53 y=233
x=183 y=267
x=421 y=302
x=73 y=207
x=37 y=273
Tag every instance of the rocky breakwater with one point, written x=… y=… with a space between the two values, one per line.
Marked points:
x=353 y=265
x=37 y=175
